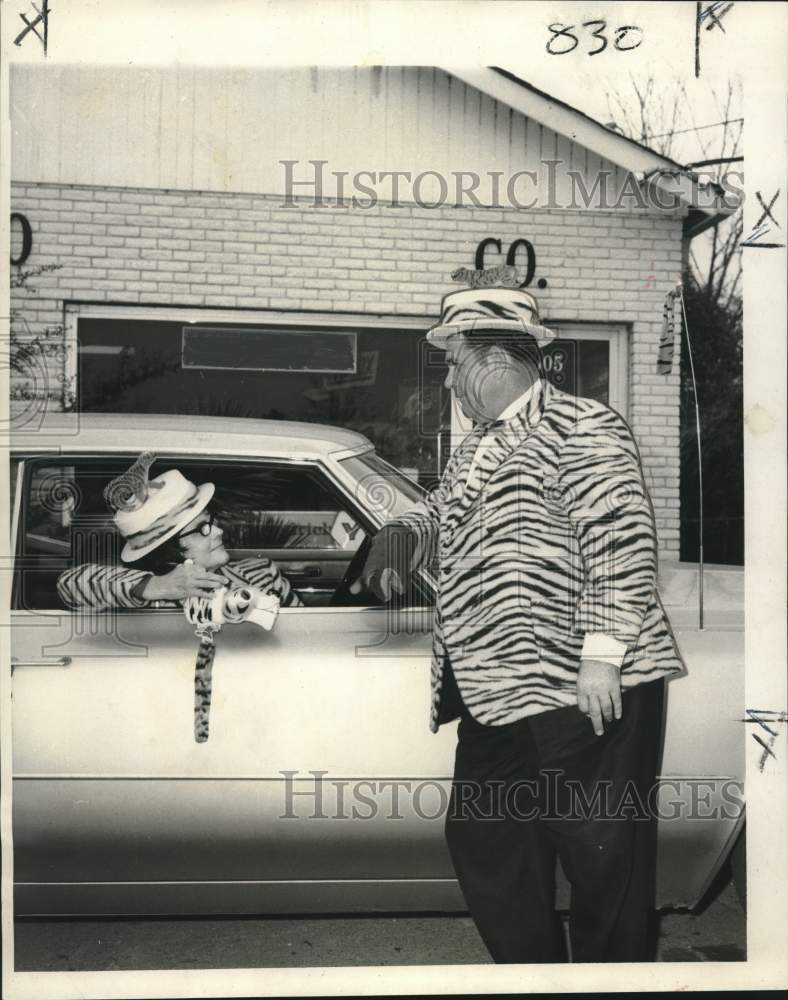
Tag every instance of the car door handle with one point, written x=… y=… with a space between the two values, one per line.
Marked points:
x=301 y=569
x=59 y=661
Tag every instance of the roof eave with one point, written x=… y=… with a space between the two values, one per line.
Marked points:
x=647 y=165
x=698 y=221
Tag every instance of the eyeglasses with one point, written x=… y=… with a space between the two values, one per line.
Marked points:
x=203 y=529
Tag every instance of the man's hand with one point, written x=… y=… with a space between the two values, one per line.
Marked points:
x=599 y=692
x=186 y=580
x=388 y=564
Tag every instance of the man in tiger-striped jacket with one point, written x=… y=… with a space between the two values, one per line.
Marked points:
x=550 y=643
x=550 y=541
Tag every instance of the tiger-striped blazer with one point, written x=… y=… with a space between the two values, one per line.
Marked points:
x=100 y=588
x=552 y=537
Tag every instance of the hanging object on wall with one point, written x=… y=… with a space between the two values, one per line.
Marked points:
x=668 y=338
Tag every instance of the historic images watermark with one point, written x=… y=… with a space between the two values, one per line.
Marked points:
x=666 y=189
x=315 y=795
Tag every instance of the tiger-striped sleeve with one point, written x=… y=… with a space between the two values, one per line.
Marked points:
x=423 y=521
x=609 y=509
x=423 y=525
x=101 y=587
x=264 y=574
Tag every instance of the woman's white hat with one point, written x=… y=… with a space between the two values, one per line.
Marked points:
x=148 y=512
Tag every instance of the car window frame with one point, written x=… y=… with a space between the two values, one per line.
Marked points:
x=16 y=477
x=332 y=482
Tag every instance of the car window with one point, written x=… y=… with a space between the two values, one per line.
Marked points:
x=381 y=485
x=290 y=513
x=64 y=522
x=279 y=507
x=298 y=517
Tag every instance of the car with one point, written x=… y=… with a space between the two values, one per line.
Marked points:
x=320 y=788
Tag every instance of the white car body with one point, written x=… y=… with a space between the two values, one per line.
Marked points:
x=116 y=808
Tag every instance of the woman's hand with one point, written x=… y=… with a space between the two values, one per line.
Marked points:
x=186 y=580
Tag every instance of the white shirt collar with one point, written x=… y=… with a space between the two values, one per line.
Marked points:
x=516 y=405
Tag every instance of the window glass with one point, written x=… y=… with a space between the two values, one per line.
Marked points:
x=269 y=507
x=381 y=487
x=593 y=369
x=581 y=367
x=64 y=522
x=391 y=396
x=291 y=514
x=13 y=468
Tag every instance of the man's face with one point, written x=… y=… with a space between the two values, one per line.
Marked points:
x=201 y=540
x=472 y=377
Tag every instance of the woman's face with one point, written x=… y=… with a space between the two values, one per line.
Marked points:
x=201 y=540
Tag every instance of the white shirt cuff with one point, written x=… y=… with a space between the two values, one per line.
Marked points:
x=598 y=646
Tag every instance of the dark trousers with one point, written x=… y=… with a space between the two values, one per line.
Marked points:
x=547 y=786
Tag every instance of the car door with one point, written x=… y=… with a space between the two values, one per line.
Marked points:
x=703 y=761
x=320 y=786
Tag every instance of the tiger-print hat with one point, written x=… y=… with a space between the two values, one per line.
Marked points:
x=509 y=310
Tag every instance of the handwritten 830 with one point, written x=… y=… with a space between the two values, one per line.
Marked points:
x=563 y=40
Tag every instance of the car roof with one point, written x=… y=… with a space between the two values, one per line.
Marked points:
x=136 y=432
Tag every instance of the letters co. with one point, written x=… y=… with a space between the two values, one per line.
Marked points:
x=511 y=257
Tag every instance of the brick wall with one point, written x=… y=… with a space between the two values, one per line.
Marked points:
x=226 y=250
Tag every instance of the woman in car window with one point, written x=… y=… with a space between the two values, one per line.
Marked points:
x=173 y=548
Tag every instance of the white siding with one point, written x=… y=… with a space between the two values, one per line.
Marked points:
x=227 y=129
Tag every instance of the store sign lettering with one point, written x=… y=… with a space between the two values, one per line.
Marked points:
x=27 y=238
x=514 y=255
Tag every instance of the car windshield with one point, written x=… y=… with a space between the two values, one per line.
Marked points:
x=383 y=489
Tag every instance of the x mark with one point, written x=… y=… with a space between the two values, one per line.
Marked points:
x=767 y=209
x=31 y=25
x=761 y=227
x=759 y=717
x=712 y=15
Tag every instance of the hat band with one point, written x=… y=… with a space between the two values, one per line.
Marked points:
x=485 y=323
x=515 y=312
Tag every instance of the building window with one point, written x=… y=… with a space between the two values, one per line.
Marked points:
x=365 y=374
x=354 y=372
x=597 y=354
